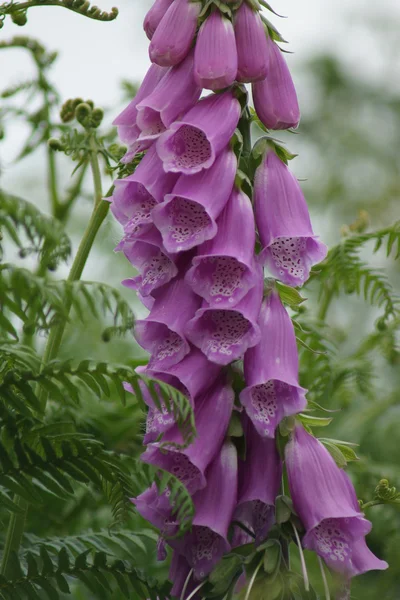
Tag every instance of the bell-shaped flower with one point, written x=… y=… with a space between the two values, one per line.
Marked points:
x=154 y=15
x=187 y=217
x=174 y=35
x=180 y=575
x=325 y=500
x=128 y=131
x=192 y=376
x=271 y=370
x=193 y=143
x=207 y=541
x=252 y=46
x=157 y=509
x=212 y=415
x=159 y=419
x=275 y=98
x=224 y=334
x=290 y=247
x=215 y=63
x=135 y=196
x=146 y=254
x=161 y=333
x=222 y=272
x=175 y=94
x=260 y=478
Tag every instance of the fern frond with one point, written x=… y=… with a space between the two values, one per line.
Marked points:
x=43 y=235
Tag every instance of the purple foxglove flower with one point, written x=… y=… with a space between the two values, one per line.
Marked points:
x=157 y=421
x=154 y=264
x=156 y=509
x=212 y=414
x=259 y=482
x=176 y=93
x=271 y=370
x=216 y=61
x=187 y=217
x=174 y=35
x=193 y=143
x=225 y=334
x=179 y=574
x=275 y=98
x=192 y=376
x=161 y=333
x=136 y=195
x=222 y=272
x=128 y=131
x=290 y=247
x=324 y=499
x=207 y=542
x=154 y=16
x=252 y=46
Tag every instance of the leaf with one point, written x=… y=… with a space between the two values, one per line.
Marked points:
x=314 y=421
x=289 y=295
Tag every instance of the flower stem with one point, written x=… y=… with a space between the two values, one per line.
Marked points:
x=302 y=561
x=325 y=582
x=326 y=302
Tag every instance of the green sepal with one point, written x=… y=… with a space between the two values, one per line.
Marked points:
x=289 y=295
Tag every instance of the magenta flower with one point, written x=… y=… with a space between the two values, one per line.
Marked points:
x=207 y=541
x=155 y=15
x=135 y=196
x=212 y=414
x=275 y=98
x=324 y=499
x=178 y=573
x=290 y=247
x=161 y=333
x=157 y=421
x=146 y=254
x=259 y=482
x=193 y=143
x=252 y=46
x=224 y=335
x=222 y=272
x=187 y=217
x=174 y=35
x=193 y=376
x=176 y=93
x=271 y=370
x=156 y=509
x=215 y=63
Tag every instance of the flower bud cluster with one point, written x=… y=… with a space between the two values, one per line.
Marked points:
x=191 y=232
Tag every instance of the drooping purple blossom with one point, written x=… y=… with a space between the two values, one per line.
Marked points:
x=275 y=98
x=324 y=499
x=223 y=270
x=224 y=335
x=212 y=414
x=207 y=541
x=161 y=333
x=252 y=46
x=187 y=217
x=156 y=509
x=173 y=37
x=135 y=196
x=216 y=61
x=193 y=143
x=145 y=252
x=158 y=420
x=271 y=370
x=259 y=482
x=154 y=16
x=179 y=575
x=175 y=94
x=290 y=247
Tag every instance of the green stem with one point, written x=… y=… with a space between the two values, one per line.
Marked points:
x=65 y=207
x=325 y=304
x=52 y=175
x=14 y=533
x=372 y=503
x=244 y=128
x=97 y=16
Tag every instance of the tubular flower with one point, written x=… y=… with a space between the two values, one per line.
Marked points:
x=260 y=478
x=155 y=15
x=212 y=414
x=225 y=334
x=193 y=144
x=207 y=541
x=324 y=498
x=174 y=35
x=161 y=333
x=135 y=196
x=290 y=247
x=223 y=270
x=157 y=421
x=271 y=370
x=275 y=98
x=175 y=94
x=216 y=60
x=252 y=46
x=187 y=217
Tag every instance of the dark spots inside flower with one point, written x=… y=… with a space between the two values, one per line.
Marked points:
x=190 y=147
x=150 y=122
x=223 y=330
x=221 y=277
x=187 y=221
x=288 y=257
x=138 y=209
